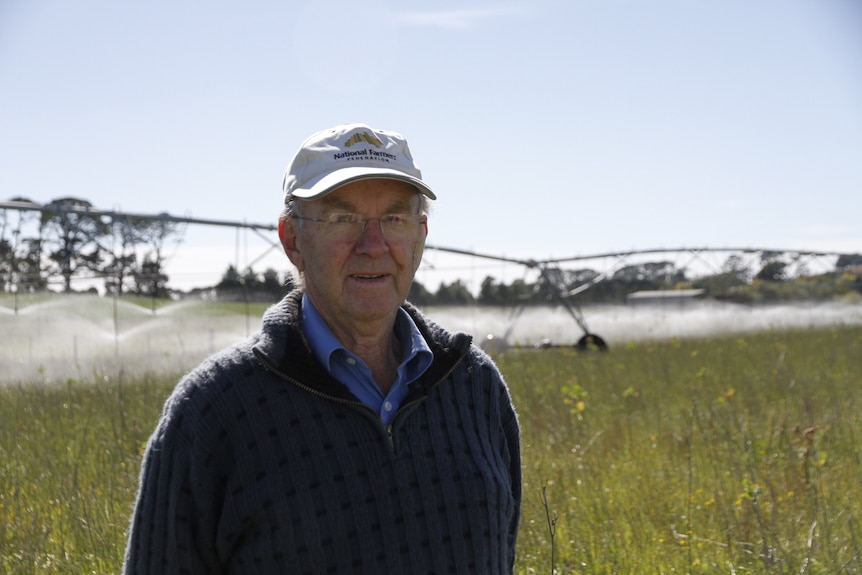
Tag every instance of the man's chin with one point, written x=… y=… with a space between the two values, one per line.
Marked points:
x=368 y=307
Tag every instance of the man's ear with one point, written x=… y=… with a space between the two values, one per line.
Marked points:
x=287 y=233
x=420 y=248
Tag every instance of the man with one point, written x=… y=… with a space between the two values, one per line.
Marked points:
x=352 y=434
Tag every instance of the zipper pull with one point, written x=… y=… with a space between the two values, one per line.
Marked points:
x=388 y=428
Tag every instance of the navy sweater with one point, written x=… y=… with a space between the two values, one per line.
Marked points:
x=263 y=463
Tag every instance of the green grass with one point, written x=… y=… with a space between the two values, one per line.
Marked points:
x=69 y=461
x=725 y=455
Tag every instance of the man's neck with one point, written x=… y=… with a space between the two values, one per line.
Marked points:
x=375 y=342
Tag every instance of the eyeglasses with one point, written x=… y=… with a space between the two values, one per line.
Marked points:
x=347 y=226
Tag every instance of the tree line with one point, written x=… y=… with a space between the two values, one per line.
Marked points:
x=736 y=281
x=62 y=242
x=767 y=281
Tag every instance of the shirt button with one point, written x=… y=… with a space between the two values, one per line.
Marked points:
x=351 y=361
x=387 y=405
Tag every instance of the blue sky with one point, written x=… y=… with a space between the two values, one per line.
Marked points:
x=547 y=128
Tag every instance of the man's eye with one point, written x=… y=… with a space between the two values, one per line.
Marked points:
x=344 y=218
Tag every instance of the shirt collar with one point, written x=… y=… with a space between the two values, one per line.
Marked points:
x=325 y=345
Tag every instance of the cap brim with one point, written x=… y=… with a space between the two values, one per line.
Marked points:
x=327 y=183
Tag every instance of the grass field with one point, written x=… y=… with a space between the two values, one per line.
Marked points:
x=737 y=454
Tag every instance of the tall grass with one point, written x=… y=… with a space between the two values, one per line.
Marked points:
x=726 y=455
x=69 y=463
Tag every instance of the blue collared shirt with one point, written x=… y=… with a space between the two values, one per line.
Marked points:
x=350 y=370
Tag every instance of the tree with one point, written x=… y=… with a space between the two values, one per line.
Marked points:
x=455 y=293
x=419 y=295
x=20 y=256
x=550 y=283
x=773 y=271
x=735 y=268
x=150 y=280
x=630 y=274
x=231 y=285
x=734 y=274
x=519 y=292
x=71 y=237
x=846 y=261
x=155 y=234
x=272 y=286
x=6 y=263
x=578 y=277
x=139 y=242
x=250 y=281
x=252 y=286
x=491 y=292
x=663 y=274
x=28 y=274
x=122 y=258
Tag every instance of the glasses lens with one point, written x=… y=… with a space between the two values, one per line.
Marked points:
x=349 y=226
x=397 y=226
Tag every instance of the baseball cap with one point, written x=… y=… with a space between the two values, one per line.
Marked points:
x=347 y=153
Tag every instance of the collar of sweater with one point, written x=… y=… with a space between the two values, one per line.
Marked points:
x=282 y=344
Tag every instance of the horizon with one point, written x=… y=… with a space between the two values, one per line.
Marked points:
x=440 y=264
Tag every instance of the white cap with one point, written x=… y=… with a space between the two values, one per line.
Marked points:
x=348 y=153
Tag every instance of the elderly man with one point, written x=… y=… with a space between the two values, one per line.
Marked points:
x=351 y=434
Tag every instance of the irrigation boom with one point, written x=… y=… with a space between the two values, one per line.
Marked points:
x=545 y=267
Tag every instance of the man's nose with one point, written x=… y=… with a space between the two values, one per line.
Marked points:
x=372 y=234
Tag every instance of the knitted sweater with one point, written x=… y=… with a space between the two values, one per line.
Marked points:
x=263 y=463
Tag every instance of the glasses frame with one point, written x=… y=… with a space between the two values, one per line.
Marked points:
x=331 y=222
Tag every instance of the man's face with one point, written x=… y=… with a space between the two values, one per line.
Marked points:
x=353 y=282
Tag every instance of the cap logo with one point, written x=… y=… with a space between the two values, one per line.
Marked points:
x=363 y=137
x=347 y=153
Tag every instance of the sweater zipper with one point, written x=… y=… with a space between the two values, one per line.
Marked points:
x=307 y=388
x=387 y=429
x=405 y=406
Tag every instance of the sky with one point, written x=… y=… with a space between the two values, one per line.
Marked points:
x=548 y=129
